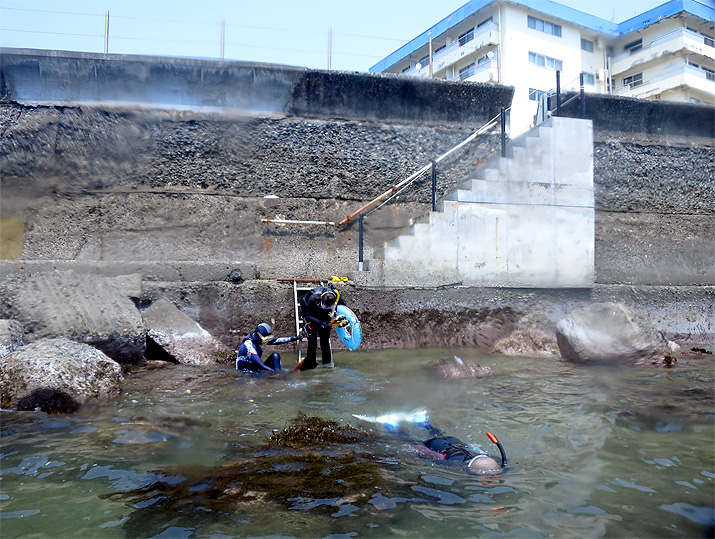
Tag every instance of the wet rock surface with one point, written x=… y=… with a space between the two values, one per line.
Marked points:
x=534 y=336
x=610 y=333
x=181 y=339
x=12 y=336
x=57 y=375
x=86 y=308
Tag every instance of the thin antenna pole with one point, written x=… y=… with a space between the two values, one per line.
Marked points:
x=223 y=36
x=330 y=47
x=106 y=33
x=430 y=58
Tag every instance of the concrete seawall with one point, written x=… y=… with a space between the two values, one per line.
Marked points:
x=60 y=77
x=175 y=192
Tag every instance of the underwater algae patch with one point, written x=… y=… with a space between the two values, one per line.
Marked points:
x=310 y=459
x=308 y=431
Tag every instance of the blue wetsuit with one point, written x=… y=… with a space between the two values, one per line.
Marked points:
x=248 y=357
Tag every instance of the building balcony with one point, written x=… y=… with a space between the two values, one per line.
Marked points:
x=484 y=36
x=681 y=76
x=485 y=72
x=680 y=40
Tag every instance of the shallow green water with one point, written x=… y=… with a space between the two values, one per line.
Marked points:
x=593 y=453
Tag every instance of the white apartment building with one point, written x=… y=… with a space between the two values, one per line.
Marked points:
x=665 y=53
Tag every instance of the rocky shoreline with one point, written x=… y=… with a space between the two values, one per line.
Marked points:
x=64 y=336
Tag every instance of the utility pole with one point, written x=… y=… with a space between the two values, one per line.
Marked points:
x=430 y=58
x=330 y=47
x=106 y=33
x=223 y=37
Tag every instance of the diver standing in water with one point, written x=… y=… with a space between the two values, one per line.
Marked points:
x=248 y=356
x=317 y=308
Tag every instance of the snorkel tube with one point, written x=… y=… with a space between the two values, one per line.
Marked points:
x=494 y=440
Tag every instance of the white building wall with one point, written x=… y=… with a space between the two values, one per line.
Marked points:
x=666 y=50
x=519 y=72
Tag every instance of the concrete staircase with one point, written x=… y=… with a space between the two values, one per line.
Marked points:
x=526 y=220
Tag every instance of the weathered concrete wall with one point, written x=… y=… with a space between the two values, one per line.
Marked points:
x=177 y=195
x=644 y=116
x=92 y=184
x=55 y=77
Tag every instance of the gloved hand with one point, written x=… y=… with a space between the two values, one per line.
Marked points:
x=325 y=325
x=340 y=321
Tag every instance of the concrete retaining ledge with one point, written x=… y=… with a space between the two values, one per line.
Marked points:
x=172 y=271
x=33 y=76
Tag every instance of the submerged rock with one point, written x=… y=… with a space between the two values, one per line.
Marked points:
x=610 y=333
x=456 y=368
x=173 y=336
x=57 y=376
x=309 y=464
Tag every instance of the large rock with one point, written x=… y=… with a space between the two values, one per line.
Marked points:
x=57 y=375
x=84 y=308
x=12 y=336
x=173 y=336
x=534 y=336
x=610 y=333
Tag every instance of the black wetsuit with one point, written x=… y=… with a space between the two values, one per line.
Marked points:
x=316 y=326
x=454 y=450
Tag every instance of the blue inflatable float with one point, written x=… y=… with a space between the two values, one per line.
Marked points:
x=351 y=335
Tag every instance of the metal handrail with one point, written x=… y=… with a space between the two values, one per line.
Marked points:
x=399 y=187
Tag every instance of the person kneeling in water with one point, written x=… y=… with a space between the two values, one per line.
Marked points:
x=447 y=448
x=248 y=356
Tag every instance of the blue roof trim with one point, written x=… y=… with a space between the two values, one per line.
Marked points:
x=442 y=26
x=554 y=9
x=673 y=7
x=566 y=13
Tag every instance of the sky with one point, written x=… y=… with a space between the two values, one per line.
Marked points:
x=318 y=34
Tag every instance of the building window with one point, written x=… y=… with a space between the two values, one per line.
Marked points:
x=535 y=95
x=439 y=49
x=544 y=26
x=466 y=72
x=424 y=61
x=709 y=41
x=633 y=80
x=589 y=78
x=586 y=45
x=709 y=73
x=545 y=61
x=484 y=22
x=633 y=46
x=466 y=37
x=407 y=69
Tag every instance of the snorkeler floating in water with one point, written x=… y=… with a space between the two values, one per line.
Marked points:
x=446 y=448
